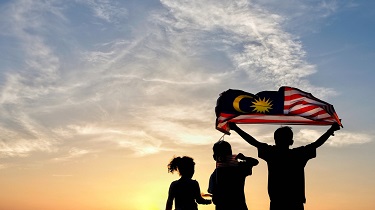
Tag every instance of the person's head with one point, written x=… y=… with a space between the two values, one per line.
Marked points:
x=184 y=165
x=283 y=136
x=221 y=150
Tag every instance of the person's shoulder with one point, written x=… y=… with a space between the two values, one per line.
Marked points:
x=194 y=182
x=263 y=145
x=305 y=147
x=190 y=181
x=214 y=172
x=174 y=184
x=186 y=182
x=307 y=151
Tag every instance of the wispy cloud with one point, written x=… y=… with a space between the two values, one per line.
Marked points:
x=24 y=86
x=303 y=17
x=72 y=154
x=250 y=36
x=143 y=82
x=110 y=11
x=341 y=138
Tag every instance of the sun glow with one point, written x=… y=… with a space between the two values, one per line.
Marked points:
x=262 y=105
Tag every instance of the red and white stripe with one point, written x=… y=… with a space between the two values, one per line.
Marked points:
x=303 y=104
x=272 y=119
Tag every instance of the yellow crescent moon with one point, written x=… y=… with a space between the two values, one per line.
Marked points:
x=236 y=102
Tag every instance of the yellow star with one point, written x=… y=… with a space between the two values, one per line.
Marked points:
x=262 y=105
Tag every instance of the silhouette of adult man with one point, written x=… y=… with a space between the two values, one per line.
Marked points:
x=227 y=182
x=286 y=175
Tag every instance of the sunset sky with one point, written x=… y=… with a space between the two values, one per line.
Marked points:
x=97 y=96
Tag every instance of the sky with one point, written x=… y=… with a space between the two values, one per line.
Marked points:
x=97 y=96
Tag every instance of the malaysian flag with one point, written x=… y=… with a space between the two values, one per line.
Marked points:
x=288 y=105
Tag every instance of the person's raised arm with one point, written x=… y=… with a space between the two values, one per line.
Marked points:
x=247 y=137
x=249 y=160
x=319 y=142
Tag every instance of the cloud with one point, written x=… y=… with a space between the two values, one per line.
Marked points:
x=304 y=17
x=72 y=154
x=24 y=86
x=341 y=138
x=250 y=36
x=110 y=11
x=110 y=78
x=22 y=148
x=2 y=166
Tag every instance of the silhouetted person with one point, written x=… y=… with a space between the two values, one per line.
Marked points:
x=228 y=180
x=185 y=192
x=286 y=175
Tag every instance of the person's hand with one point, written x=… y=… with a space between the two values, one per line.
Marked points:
x=206 y=195
x=335 y=127
x=240 y=156
x=232 y=125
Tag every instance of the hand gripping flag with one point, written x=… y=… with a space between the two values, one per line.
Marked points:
x=288 y=105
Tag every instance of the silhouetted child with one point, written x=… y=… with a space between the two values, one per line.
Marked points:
x=286 y=174
x=185 y=192
x=227 y=182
